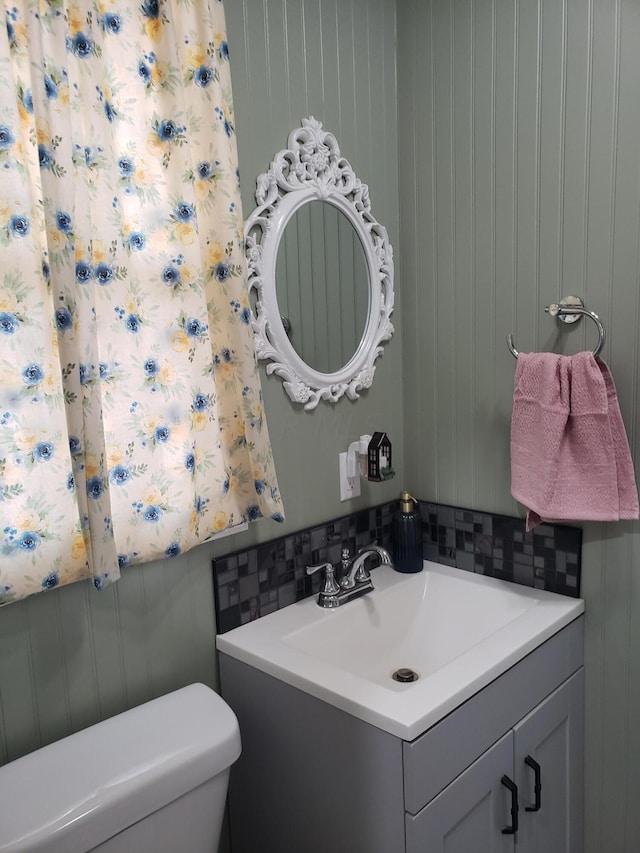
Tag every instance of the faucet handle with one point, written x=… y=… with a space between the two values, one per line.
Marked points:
x=329 y=583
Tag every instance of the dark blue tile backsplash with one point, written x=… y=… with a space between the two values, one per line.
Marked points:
x=256 y=581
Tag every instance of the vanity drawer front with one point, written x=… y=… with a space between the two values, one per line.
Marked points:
x=434 y=759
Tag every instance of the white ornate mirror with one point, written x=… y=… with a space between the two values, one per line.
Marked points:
x=320 y=265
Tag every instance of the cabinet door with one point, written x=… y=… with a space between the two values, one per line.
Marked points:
x=471 y=812
x=548 y=743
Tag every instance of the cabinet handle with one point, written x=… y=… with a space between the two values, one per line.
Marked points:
x=537 y=786
x=511 y=785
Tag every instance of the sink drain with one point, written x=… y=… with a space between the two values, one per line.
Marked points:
x=405 y=675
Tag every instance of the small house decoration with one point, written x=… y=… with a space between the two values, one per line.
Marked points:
x=379 y=458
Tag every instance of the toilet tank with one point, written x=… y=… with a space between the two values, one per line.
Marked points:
x=76 y=793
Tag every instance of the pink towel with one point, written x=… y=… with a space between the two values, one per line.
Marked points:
x=570 y=458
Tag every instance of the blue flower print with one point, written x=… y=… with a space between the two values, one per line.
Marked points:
x=225 y=486
x=171 y=275
x=81 y=45
x=204 y=170
x=63 y=222
x=245 y=316
x=162 y=434
x=50 y=581
x=83 y=272
x=127 y=166
x=152 y=513
x=132 y=323
x=27 y=101
x=167 y=130
x=184 y=212
x=19 y=226
x=194 y=328
x=29 y=541
x=253 y=512
x=137 y=241
x=43 y=451
x=71 y=483
x=200 y=402
x=278 y=516
x=203 y=76
x=124 y=560
x=151 y=367
x=44 y=156
x=226 y=355
x=86 y=373
x=144 y=72
x=112 y=22
x=150 y=8
x=103 y=273
x=8 y=323
x=95 y=487
x=64 y=319
x=104 y=371
x=75 y=445
x=119 y=475
x=110 y=111
x=6 y=137
x=173 y=550
x=32 y=374
x=259 y=486
x=46 y=272
x=100 y=580
x=221 y=272
x=190 y=462
x=50 y=87
x=224 y=50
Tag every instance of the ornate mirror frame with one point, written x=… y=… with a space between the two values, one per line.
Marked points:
x=312 y=168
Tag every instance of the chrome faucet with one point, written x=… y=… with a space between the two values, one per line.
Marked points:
x=355 y=580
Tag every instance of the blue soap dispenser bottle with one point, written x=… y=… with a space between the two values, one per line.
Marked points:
x=407 y=536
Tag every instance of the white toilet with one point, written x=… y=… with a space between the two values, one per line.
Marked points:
x=150 y=780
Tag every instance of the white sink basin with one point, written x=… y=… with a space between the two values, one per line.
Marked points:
x=458 y=631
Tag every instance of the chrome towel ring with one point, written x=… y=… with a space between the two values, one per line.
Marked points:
x=569 y=309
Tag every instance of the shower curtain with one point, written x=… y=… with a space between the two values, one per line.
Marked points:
x=131 y=417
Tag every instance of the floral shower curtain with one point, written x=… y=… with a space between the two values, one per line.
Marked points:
x=131 y=418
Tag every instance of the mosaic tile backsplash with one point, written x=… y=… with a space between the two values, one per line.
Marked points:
x=256 y=581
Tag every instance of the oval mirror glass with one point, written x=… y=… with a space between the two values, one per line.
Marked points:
x=322 y=285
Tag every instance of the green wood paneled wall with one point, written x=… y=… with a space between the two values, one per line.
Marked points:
x=72 y=656
x=519 y=151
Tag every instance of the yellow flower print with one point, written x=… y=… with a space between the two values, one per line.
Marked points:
x=57 y=239
x=27 y=519
x=196 y=55
x=131 y=305
x=220 y=521
x=188 y=274
x=55 y=347
x=185 y=233
x=50 y=384
x=149 y=425
x=152 y=495
x=155 y=146
x=159 y=73
x=215 y=254
x=180 y=341
x=63 y=94
x=201 y=189
x=142 y=178
x=114 y=455
x=76 y=21
x=198 y=421
x=43 y=134
x=91 y=467
x=26 y=439
x=98 y=251
x=8 y=301
x=153 y=28
x=5 y=210
x=78 y=549
x=167 y=375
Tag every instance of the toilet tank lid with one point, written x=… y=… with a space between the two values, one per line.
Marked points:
x=81 y=790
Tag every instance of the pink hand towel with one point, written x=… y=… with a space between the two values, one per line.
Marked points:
x=570 y=458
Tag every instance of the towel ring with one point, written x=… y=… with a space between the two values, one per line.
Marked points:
x=569 y=309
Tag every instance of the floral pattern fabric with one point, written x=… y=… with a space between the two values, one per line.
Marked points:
x=131 y=416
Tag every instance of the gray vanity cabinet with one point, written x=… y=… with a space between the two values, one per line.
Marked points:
x=314 y=778
x=470 y=814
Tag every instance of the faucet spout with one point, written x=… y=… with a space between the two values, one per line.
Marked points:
x=357 y=572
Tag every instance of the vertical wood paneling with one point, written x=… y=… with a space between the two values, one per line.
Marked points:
x=556 y=116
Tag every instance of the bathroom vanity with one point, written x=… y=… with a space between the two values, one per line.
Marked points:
x=498 y=768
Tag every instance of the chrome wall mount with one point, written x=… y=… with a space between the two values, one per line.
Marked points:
x=569 y=310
